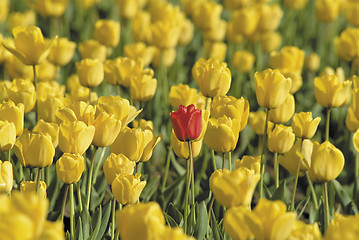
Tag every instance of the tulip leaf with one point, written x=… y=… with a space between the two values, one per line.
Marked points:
x=86 y=222
x=175 y=186
x=306 y=200
x=79 y=233
x=150 y=188
x=202 y=221
x=174 y=213
x=331 y=198
x=341 y=193
x=56 y=193
x=215 y=228
x=279 y=193
x=105 y=220
x=170 y=221
x=179 y=169
x=96 y=224
x=96 y=199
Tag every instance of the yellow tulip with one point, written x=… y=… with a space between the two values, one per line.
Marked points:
x=75 y=137
x=128 y=9
x=30 y=187
x=351 y=121
x=280 y=139
x=234 y=188
x=51 y=8
x=207 y=14
x=141 y=27
x=304 y=126
x=53 y=230
x=288 y=59
x=6 y=177
x=107 y=32
x=232 y=35
x=343 y=227
x=26 y=18
x=243 y=60
x=295 y=4
x=143 y=124
x=180 y=148
x=69 y=167
x=312 y=62
x=246 y=20
x=140 y=221
x=90 y=72
x=347 y=44
x=62 y=51
x=222 y=134
x=284 y=112
x=46 y=71
x=48 y=106
x=270 y=17
x=272 y=88
x=217 y=33
x=330 y=92
x=107 y=127
x=115 y=165
x=7 y=135
x=34 y=149
x=136 y=144
x=51 y=129
x=4 y=6
x=270 y=41
x=17 y=69
x=235 y=225
x=163 y=57
x=326 y=10
x=351 y=12
x=304 y=231
x=187 y=32
x=13 y=113
x=231 y=107
x=182 y=94
x=77 y=111
x=327 y=162
x=23 y=91
x=257 y=122
x=252 y=163
x=29 y=45
x=139 y=50
x=175 y=233
x=127 y=188
x=93 y=49
x=143 y=86
x=215 y=50
x=165 y=34
x=213 y=77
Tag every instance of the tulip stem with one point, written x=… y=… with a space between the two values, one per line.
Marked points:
x=314 y=195
x=79 y=196
x=327 y=125
x=113 y=218
x=61 y=218
x=276 y=170
x=262 y=154
x=230 y=161
x=89 y=181
x=325 y=192
x=72 y=212
x=213 y=160
x=98 y=166
x=168 y=160
x=37 y=95
x=38 y=176
x=223 y=160
x=295 y=186
x=209 y=214
x=188 y=183
x=192 y=179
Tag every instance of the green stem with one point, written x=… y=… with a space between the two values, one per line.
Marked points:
x=314 y=195
x=79 y=195
x=192 y=179
x=262 y=154
x=98 y=165
x=295 y=187
x=113 y=218
x=223 y=160
x=327 y=125
x=9 y=155
x=188 y=183
x=38 y=176
x=356 y=165
x=37 y=95
x=72 y=212
x=213 y=161
x=276 y=170
x=230 y=161
x=325 y=193
x=61 y=218
x=168 y=160
x=209 y=215
x=89 y=181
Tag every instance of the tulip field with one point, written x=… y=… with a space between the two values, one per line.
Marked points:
x=179 y=119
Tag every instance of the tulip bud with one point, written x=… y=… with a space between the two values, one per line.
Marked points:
x=165 y=34
x=234 y=188
x=252 y=163
x=128 y=9
x=351 y=121
x=346 y=44
x=140 y=221
x=270 y=17
x=234 y=223
x=284 y=112
x=93 y=49
x=186 y=122
x=312 y=62
x=304 y=126
x=107 y=32
x=12 y=113
x=295 y=4
x=272 y=88
x=51 y=129
x=187 y=32
x=48 y=106
x=302 y=230
x=182 y=94
x=163 y=57
x=330 y=92
x=69 y=167
x=270 y=41
x=180 y=148
x=7 y=135
x=215 y=50
x=327 y=162
x=213 y=77
x=90 y=72
x=127 y=188
x=342 y=227
x=23 y=91
x=207 y=14
x=139 y=50
x=351 y=12
x=107 y=127
x=115 y=165
x=4 y=6
x=34 y=149
x=141 y=27
x=6 y=177
x=77 y=111
x=62 y=51
x=75 y=137
x=143 y=86
x=246 y=20
x=280 y=139
x=243 y=60
x=30 y=187
x=326 y=10
x=288 y=59
x=51 y=8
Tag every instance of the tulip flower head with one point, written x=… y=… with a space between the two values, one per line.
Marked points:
x=187 y=122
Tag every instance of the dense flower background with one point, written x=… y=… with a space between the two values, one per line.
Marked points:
x=169 y=119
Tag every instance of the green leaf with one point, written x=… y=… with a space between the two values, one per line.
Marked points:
x=215 y=228
x=86 y=223
x=202 y=221
x=173 y=212
x=279 y=193
x=56 y=194
x=79 y=230
x=105 y=221
x=303 y=208
x=343 y=196
x=179 y=169
x=96 y=199
x=150 y=188
x=96 y=224
x=170 y=221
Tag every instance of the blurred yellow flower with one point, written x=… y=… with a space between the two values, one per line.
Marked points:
x=295 y=4
x=30 y=187
x=270 y=17
x=257 y=122
x=107 y=32
x=207 y=14
x=62 y=51
x=343 y=227
x=326 y=10
x=312 y=62
x=288 y=59
x=26 y=18
x=141 y=27
x=216 y=33
x=187 y=32
x=34 y=149
x=246 y=20
x=17 y=69
x=304 y=231
x=128 y=8
x=163 y=57
x=4 y=10
x=347 y=44
x=51 y=8
x=13 y=113
x=90 y=72
x=127 y=188
x=351 y=121
x=235 y=225
x=47 y=107
x=214 y=50
x=270 y=41
x=29 y=45
x=249 y=162
x=6 y=177
x=139 y=50
x=116 y=164
x=7 y=135
x=165 y=34
x=22 y=91
x=351 y=12
x=280 y=139
x=143 y=86
x=69 y=167
x=93 y=49
x=243 y=60
x=182 y=94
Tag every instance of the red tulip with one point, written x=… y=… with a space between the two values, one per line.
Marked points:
x=187 y=122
